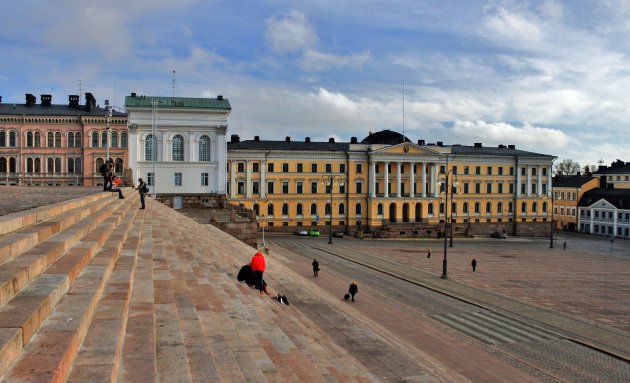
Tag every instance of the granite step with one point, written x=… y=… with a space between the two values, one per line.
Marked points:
x=49 y=355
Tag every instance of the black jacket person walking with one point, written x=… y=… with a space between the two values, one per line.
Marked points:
x=315 y=268
x=353 y=289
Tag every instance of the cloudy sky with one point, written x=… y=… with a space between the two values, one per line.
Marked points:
x=547 y=76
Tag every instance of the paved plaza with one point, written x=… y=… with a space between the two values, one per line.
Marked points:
x=18 y=198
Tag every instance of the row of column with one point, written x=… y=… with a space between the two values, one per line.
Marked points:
x=433 y=169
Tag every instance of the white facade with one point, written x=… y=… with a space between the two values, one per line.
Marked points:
x=603 y=218
x=191 y=144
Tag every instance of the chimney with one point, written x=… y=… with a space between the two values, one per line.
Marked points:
x=234 y=139
x=421 y=142
x=578 y=174
x=0 y=99
x=90 y=102
x=501 y=146
x=30 y=100
x=511 y=146
x=287 y=139
x=73 y=101
x=331 y=139
x=440 y=143
x=219 y=97
x=478 y=145
x=257 y=138
x=46 y=99
x=307 y=139
x=133 y=94
x=353 y=140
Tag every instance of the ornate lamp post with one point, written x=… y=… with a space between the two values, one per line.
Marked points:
x=108 y=117
x=330 y=181
x=551 y=234
x=445 y=260
x=455 y=185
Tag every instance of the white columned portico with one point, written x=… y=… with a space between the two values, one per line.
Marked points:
x=434 y=179
x=424 y=179
x=372 y=175
x=386 y=179
x=398 y=179
x=412 y=180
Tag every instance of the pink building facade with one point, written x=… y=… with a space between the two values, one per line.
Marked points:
x=46 y=144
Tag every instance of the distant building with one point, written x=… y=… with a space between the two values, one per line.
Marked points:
x=387 y=181
x=46 y=144
x=615 y=176
x=567 y=192
x=178 y=144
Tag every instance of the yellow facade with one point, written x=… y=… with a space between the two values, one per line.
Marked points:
x=565 y=202
x=376 y=185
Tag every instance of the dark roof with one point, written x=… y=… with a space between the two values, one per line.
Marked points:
x=615 y=170
x=53 y=110
x=291 y=145
x=573 y=181
x=620 y=198
x=386 y=137
x=494 y=151
x=139 y=101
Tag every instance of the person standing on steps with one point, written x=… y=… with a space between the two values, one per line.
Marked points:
x=142 y=189
x=429 y=252
x=315 y=268
x=106 y=173
x=353 y=289
x=258 y=268
x=473 y=263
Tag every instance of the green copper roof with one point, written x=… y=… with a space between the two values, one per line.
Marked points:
x=140 y=101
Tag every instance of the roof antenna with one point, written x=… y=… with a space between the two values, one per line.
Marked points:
x=173 y=83
x=80 y=90
x=403 y=116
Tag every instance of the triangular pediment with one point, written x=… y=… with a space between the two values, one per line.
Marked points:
x=602 y=204
x=407 y=149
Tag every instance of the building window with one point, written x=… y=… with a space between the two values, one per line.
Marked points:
x=70 y=140
x=379 y=209
x=313 y=209
x=488 y=207
x=150 y=148
x=300 y=168
x=95 y=139
x=466 y=170
x=300 y=187
x=178 y=148
x=3 y=138
x=114 y=139
x=123 y=139
x=359 y=187
x=178 y=179
x=104 y=139
x=270 y=167
x=478 y=188
x=342 y=209
x=255 y=167
x=489 y=188
x=38 y=139
x=442 y=169
x=240 y=187
x=477 y=170
x=299 y=209
x=285 y=168
x=285 y=209
x=255 y=187
x=358 y=209
x=270 y=187
x=285 y=187
x=29 y=139
x=477 y=208
x=490 y=170
x=314 y=187
x=328 y=168
x=500 y=170
x=270 y=209
x=524 y=207
x=313 y=168
x=465 y=208
x=151 y=179
x=342 y=168
x=500 y=191
x=466 y=188
x=204 y=149
x=327 y=209
x=359 y=168
x=70 y=165
x=51 y=140
x=205 y=179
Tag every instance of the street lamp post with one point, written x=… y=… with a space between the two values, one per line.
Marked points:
x=108 y=116
x=455 y=184
x=552 y=207
x=445 y=260
x=329 y=181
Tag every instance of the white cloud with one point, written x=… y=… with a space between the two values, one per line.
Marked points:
x=514 y=29
x=504 y=133
x=313 y=60
x=291 y=33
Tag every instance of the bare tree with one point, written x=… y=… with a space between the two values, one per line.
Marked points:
x=589 y=169
x=566 y=167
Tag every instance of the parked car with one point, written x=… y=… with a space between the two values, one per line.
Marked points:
x=337 y=234
x=496 y=234
x=313 y=233
x=300 y=232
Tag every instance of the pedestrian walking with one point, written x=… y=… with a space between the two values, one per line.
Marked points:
x=258 y=268
x=353 y=289
x=429 y=252
x=315 y=268
x=473 y=263
x=564 y=245
x=142 y=189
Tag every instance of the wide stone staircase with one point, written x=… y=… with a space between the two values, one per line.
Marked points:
x=96 y=290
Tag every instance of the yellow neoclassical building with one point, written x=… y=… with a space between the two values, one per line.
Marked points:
x=387 y=182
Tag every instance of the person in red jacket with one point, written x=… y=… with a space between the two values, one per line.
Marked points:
x=258 y=268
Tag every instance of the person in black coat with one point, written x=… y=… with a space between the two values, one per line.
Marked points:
x=315 y=268
x=353 y=289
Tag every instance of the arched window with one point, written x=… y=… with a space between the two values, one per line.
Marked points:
x=104 y=139
x=430 y=208
x=544 y=209
x=510 y=207
x=327 y=209
x=441 y=207
x=358 y=209
x=77 y=166
x=12 y=165
x=313 y=209
x=465 y=208
x=57 y=140
x=488 y=207
x=58 y=165
x=50 y=140
x=379 y=209
x=71 y=140
x=99 y=163
x=38 y=165
x=12 y=139
x=270 y=209
x=114 y=139
x=118 y=168
x=299 y=209
x=70 y=165
x=3 y=165
x=3 y=138
x=29 y=139
x=285 y=209
x=204 y=149
x=454 y=207
x=477 y=208
x=77 y=140
x=123 y=139
x=150 y=146
x=178 y=148
x=95 y=139
x=342 y=208
x=256 y=209
x=38 y=139
x=535 y=207
x=524 y=207
x=51 y=166
x=500 y=208
x=29 y=165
